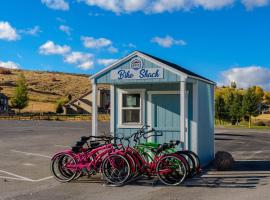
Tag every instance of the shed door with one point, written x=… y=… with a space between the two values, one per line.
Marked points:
x=166 y=116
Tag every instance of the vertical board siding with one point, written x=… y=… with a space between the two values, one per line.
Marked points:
x=205 y=122
x=169 y=134
x=168 y=76
x=166 y=110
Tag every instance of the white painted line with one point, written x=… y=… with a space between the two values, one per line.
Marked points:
x=12 y=178
x=17 y=176
x=28 y=164
x=30 y=154
x=21 y=178
x=43 y=179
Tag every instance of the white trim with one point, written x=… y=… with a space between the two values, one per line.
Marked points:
x=120 y=92
x=195 y=96
x=186 y=120
x=114 y=64
x=169 y=68
x=94 y=110
x=112 y=108
x=149 y=114
x=183 y=135
x=149 y=106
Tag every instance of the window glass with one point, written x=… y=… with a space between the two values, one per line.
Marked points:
x=131 y=116
x=131 y=100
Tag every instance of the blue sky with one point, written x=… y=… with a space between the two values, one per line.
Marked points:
x=223 y=40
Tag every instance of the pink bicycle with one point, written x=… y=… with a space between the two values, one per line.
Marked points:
x=71 y=164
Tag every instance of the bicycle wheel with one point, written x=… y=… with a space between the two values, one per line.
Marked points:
x=116 y=169
x=171 y=170
x=191 y=163
x=196 y=161
x=63 y=167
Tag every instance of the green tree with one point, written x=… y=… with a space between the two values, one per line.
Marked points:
x=266 y=97
x=20 y=97
x=59 y=107
x=220 y=108
x=228 y=98
x=251 y=103
x=236 y=112
x=259 y=92
x=233 y=85
x=69 y=97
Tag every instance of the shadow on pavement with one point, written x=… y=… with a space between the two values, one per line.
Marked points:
x=244 y=174
x=232 y=135
x=227 y=136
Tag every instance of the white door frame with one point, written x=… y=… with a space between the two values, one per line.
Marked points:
x=149 y=106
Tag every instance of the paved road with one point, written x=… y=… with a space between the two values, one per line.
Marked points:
x=26 y=147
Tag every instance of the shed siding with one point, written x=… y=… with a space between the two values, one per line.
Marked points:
x=205 y=122
x=153 y=87
x=168 y=76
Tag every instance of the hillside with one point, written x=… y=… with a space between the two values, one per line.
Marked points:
x=45 y=88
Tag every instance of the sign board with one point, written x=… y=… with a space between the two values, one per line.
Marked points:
x=137 y=71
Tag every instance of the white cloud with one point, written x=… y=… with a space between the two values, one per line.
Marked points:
x=9 y=65
x=7 y=32
x=31 y=31
x=247 y=76
x=90 y=42
x=56 y=4
x=250 y=4
x=50 y=48
x=158 y=6
x=65 y=29
x=131 y=45
x=82 y=60
x=213 y=4
x=106 y=62
x=113 y=49
x=168 y=41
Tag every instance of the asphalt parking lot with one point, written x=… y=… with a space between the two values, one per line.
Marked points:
x=26 y=148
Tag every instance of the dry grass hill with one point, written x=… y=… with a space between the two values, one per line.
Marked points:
x=45 y=88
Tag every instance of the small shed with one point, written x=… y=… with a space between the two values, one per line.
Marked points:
x=148 y=90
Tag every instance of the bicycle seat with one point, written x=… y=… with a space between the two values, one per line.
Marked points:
x=161 y=148
x=79 y=144
x=94 y=144
x=84 y=138
x=76 y=149
x=174 y=143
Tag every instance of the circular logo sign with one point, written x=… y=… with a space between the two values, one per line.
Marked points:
x=136 y=63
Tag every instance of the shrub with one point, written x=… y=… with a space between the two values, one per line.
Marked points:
x=267 y=123
x=5 y=71
x=259 y=123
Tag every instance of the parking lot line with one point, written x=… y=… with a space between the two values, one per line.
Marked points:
x=30 y=154
x=17 y=176
x=21 y=178
x=12 y=178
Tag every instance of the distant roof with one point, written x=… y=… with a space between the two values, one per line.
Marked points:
x=177 y=67
x=167 y=63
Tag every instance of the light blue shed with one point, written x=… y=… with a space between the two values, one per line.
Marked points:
x=148 y=90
